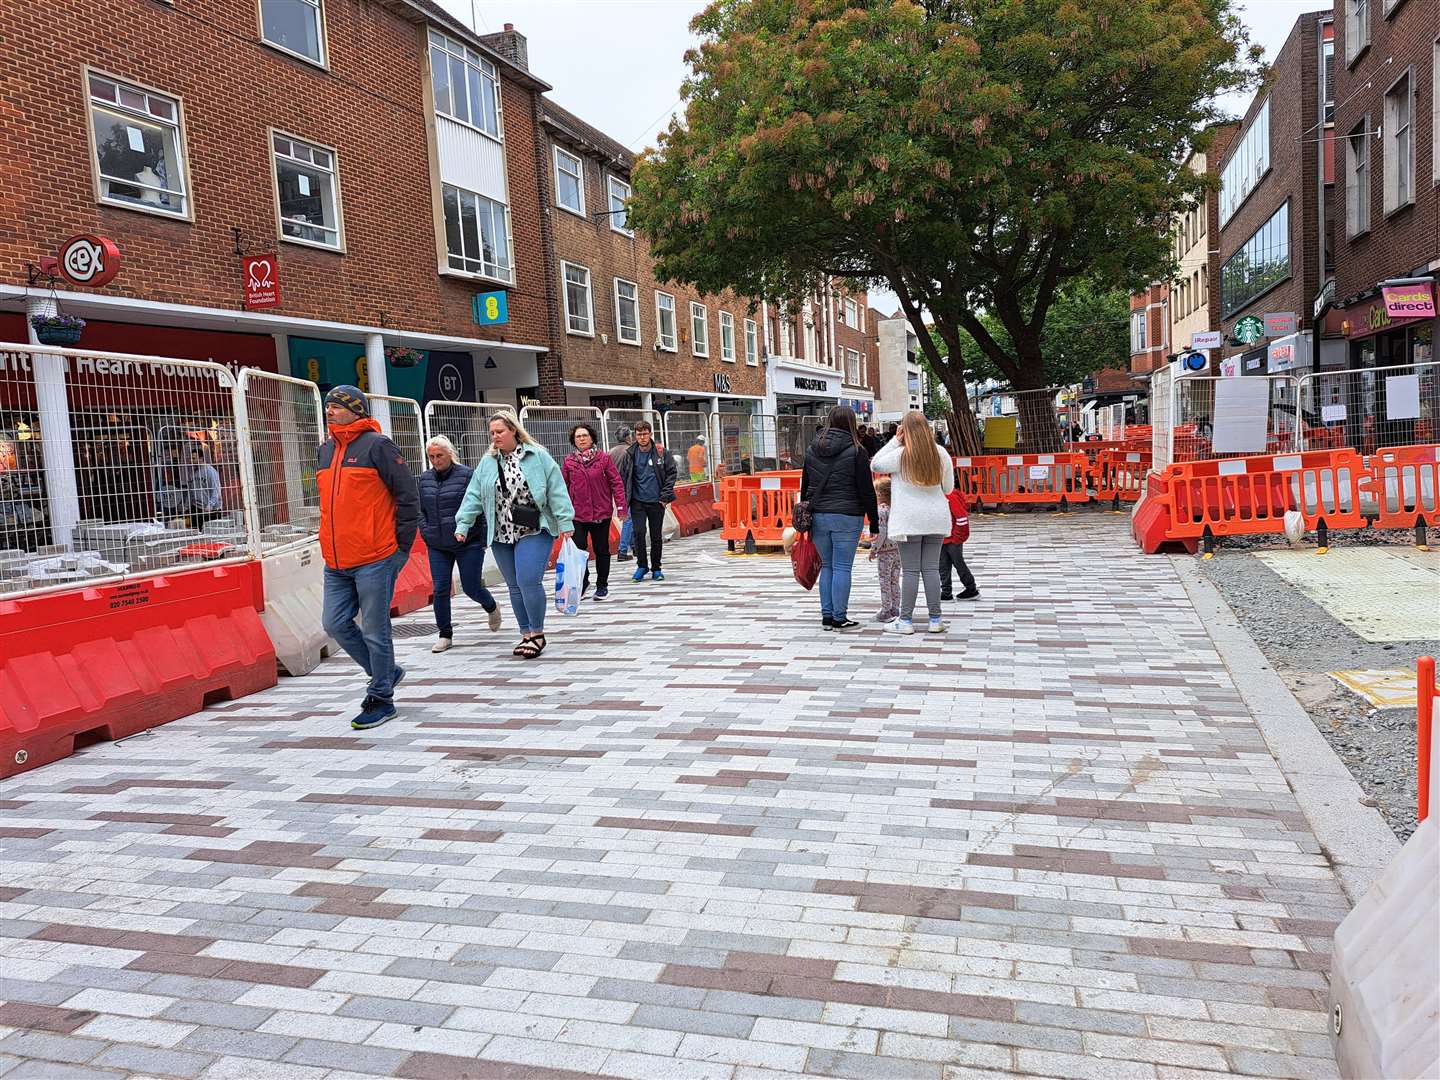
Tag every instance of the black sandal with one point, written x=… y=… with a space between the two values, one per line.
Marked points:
x=538 y=641
x=519 y=650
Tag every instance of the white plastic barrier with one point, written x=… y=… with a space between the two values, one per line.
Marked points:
x=294 y=596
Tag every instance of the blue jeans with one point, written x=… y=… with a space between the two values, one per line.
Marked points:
x=836 y=536
x=522 y=564
x=471 y=558
x=627 y=535
x=365 y=591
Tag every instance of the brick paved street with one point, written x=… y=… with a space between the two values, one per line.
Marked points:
x=699 y=839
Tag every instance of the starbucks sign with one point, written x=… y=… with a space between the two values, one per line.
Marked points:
x=1250 y=329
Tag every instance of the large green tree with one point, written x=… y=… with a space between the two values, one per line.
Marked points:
x=974 y=156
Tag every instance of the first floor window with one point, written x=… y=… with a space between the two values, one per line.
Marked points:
x=475 y=235
x=1137 y=332
x=665 y=320
x=577 y=299
x=852 y=314
x=1357 y=179
x=138 y=147
x=852 y=367
x=727 y=337
x=752 y=343
x=1399 y=145
x=295 y=26
x=627 y=312
x=699 y=330
x=1262 y=262
x=309 y=199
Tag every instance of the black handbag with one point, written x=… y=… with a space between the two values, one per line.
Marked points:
x=522 y=517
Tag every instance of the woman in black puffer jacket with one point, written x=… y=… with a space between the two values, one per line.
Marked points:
x=442 y=488
x=841 y=492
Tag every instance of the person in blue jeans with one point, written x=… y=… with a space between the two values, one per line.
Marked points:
x=369 y=511
x=442 y=489
x=836 y=482
x=520 y=490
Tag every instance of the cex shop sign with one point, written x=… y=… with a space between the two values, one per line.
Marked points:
x=89 y=261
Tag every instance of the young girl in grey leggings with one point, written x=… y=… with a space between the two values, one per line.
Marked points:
x=921 y=476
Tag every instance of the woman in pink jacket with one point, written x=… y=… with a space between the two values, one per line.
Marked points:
x=597 y=493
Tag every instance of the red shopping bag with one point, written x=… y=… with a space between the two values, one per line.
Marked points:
x=805 y=561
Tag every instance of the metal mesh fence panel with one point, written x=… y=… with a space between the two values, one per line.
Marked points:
x=550 y=425
x=113 y=465
x=406 y=427
x=1029 y=422
x=1370 y=408
x=793 y=436
x=465 y=423
x=1215 y=416
x=683 y=432
x=279 y=424
x=1162 y=403
x=615 y=419
x=744 y=443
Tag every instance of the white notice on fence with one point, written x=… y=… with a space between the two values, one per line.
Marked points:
x=1039 y=472
x=1329 y=414
x=1242 y=408
x=1402 y=397
x=769 y=483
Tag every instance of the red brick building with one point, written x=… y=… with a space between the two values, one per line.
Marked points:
x=1388 y=175
x=1150 y=345
x=380 y=154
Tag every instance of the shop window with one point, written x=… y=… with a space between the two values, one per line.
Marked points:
x=307 y=191
x=578 y=319
x=295 y=26
x=476 y=234
x=139 y=147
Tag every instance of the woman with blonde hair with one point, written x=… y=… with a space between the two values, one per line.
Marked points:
x=442 y=490
x=921 y=478
x=520 y=490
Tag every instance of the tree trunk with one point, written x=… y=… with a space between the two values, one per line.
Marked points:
x=1039 y=431
x=963 y=425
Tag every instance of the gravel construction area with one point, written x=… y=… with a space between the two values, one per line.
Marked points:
x=1304 y=642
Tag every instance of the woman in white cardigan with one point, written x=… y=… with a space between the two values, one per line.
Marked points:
x=921 y=478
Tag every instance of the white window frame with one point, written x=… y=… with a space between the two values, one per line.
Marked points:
x=508 y=275
x=1358 y=194
x=588 y=330
x=1138 y=334
x=752 y=343
x=486 y=71
x=670 y=342
x=852 y=313
x=853 y=357
x=322 y=61
x=620 y=326
x=1394 y=199
x=610 y=182
x=727 y=349
x=187 y=204
x=1357 y=30
x=699 y=343
x=333 y=170
x=561 y=152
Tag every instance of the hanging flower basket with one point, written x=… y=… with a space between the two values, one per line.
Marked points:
x=57 y=329
x=400 y=356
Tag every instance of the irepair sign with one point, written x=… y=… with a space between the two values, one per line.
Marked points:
x=1414 y=301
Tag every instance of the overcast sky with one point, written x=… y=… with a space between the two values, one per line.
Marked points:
x=618 y=64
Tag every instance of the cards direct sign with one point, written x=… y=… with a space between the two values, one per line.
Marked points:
x=1410 y=301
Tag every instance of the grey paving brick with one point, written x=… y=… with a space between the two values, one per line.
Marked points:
x=660 y=953
x=1034 y=1036
x=108 y=978
x=841 y=1063
x=714 y=939
x=731 y=1001
x=1064 y=1016
x=488 y=956
x=47 y=1070
x=682 y=997
x=47 y=1046
x=361 y=1059
x=417 y=1013
x=187 y=986
x=731 y=1025
x=1260 y=1063
x=413 y=967
x=153 y=1061
x=217 y=1014
x=36 y=993
x=232 y=1043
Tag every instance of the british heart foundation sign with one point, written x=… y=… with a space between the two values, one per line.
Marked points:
x=262 y=282
x=1415 y=301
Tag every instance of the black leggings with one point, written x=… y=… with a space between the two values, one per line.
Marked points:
x=649 y=521
x=597 y=535
x=954 y=555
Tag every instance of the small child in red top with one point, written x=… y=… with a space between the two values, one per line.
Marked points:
x=952 y=551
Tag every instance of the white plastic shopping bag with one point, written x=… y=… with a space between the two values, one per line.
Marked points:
x=569 y=574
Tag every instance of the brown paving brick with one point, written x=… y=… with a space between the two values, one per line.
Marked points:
x=7 y=893
x=252 y=855
x=13 y=804
x=670 y=825
x=812 y=989
x=1311 y=961
x=508 y=725
x=23 y=834
x=808 y=967
x=750 y=982
x=732 y=778
x=887 y=759
x=334 y=890
x=203 y=967
x=984 y=1008
x=912 y=898
x=362 y=909
x=1242 y=892
x=364 y=799
x=1190 y=950
x=77 y=935
x=1294 y=997
x=156 y=819
x=1306 y=927
x=428 y=1066
x=469 y=836
x=318 y=742
x=270 y=974
x=1065 y=865
x=20 y=1014
x=735 y=751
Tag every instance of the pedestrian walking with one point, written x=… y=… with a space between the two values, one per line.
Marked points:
x=648 y=473
x=883 y=550
x=369 y=511
x=593 y=481
x=837 y=484
x=442 y=489
x=519 y=489
x=623 y=439
x=952 y=552
x=921 y=477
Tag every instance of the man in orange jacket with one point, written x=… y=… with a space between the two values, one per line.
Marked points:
x=369 y=511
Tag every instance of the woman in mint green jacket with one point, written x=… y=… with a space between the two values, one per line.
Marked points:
x=527 y=508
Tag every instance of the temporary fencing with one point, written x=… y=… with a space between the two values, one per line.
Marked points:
x=615 y=419
x=1027 y=421
x=683 y=430
x=279 y=424
x=1162 y=388
x=744 y=443
x=1405 y=486
x=1370 y=408
x=1110 y=422
x=994 y=481
x=757 y=508
x=1214 y=416
x=550 y=425
x=793 y=435
x=406 y=427
x=465 y=423
x=1119 y=475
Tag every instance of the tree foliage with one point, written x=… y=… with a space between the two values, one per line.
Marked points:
x=974 y=156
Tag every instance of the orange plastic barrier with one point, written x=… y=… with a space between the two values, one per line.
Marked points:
x=1150 y=523
x=694 y=508
x=969 y=479
x=1059 y=479
x=413 y=588
x=1405 y=482
x=1119 y=475
x=758 y=506
x=109 y=661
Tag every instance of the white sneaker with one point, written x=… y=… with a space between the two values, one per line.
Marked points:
x=494 y=620
x=937 y=626
x=900 y=626
x=441 y=645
